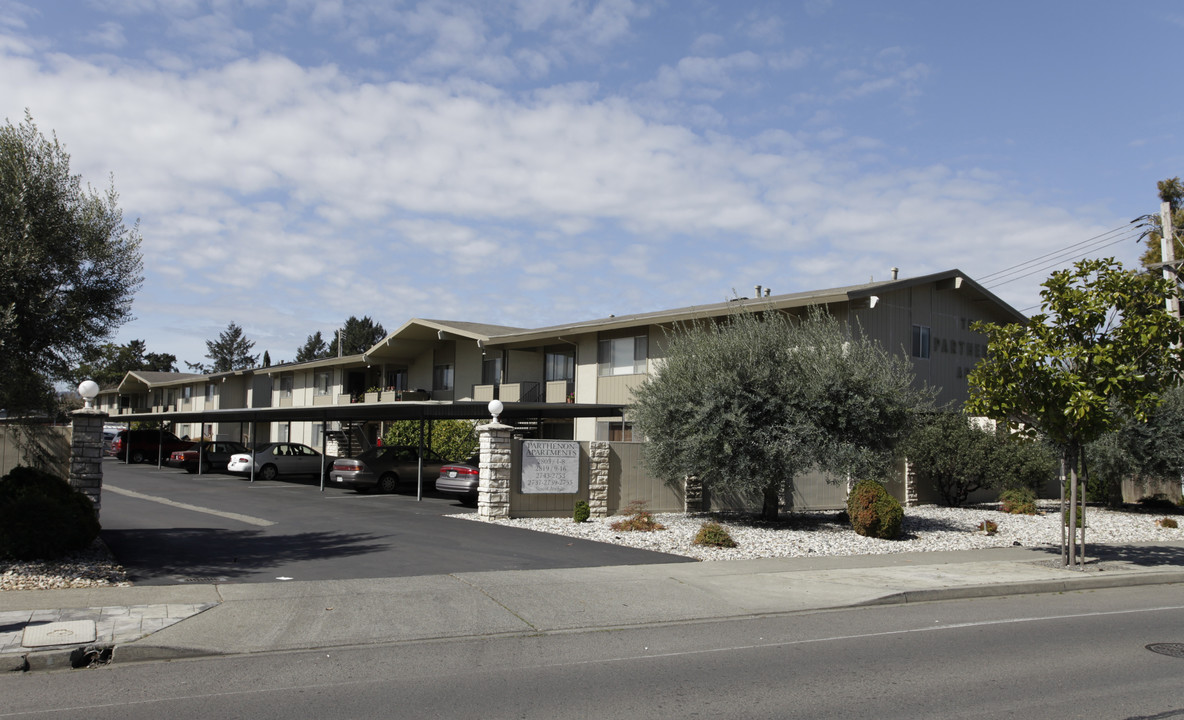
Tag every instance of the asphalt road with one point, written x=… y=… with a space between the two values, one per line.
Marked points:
x=1071 y=655
x=167 y=526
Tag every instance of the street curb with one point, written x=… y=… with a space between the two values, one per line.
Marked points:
x=1035 y=587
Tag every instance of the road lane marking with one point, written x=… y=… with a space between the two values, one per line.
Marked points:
x=186 y=506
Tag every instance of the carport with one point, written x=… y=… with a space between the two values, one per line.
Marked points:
x=423 y=411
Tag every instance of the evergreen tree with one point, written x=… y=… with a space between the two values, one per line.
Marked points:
x=357 y=336
x=231 y=351
x=315 y=348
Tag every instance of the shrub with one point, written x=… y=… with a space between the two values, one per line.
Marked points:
x=1167 y=522
x=1158 y=501
x=638 y=518
x=1020 y=501
x=988 y=527
x=582 y=512
x=713 y=534
x=873 y=512
x=42 y=517
x=1065 y=517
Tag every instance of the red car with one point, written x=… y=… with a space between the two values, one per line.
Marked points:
x=214 y=454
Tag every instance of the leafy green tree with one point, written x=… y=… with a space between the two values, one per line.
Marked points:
x=1139 y=450
x=68 y=272
x=109 y=363
x=957 y=458
x=231 y=351
x=356 y=336
x=1102 y=345
x=750 y=402
x=314 y=348
x=453 y=440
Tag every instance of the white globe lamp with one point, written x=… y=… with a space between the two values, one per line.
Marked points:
x=88 y=389
x=495 y=408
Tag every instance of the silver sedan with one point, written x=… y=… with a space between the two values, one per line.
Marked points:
x=280 y=458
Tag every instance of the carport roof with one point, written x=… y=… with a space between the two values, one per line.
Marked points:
x=400 y=410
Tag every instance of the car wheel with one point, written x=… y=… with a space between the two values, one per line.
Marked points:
x=137 y=456
x=269 y=472
x=388 y=483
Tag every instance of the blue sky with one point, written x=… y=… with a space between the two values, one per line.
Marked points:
x=534 y=162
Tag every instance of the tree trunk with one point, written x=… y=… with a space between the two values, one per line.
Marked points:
x=772 y=502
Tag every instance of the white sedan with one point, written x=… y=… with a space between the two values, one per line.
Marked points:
x=281 y=458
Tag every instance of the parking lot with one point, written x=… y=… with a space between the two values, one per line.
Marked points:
x=167 y=526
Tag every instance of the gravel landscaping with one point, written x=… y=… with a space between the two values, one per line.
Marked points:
x=926 y=528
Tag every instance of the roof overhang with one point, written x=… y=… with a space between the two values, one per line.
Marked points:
x=399 y=410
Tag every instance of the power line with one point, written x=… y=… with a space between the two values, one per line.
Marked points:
x=1081 y=247
x=1060 y=256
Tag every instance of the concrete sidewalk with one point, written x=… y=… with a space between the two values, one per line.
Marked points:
x=155 y=623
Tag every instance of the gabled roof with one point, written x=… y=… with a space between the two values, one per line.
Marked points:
x=951 y=279
x=310 y=365
x=152 y=378
x=413 y=336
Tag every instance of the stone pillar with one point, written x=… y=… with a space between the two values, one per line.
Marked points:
x=86 y=454
x=493 y=489
x=598 y=467
x=910 y=485
x=692 y=494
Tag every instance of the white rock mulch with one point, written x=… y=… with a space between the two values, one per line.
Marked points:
x=926 y=528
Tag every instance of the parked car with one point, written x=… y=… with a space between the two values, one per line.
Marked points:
x=460 y=479
x=280 y=458
x=146 y=445
x=384 y=468
x=109 y=435
x=213 y=453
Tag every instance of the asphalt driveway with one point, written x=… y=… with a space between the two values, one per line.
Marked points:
x=167 y=527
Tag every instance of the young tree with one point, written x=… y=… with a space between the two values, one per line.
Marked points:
x=70 y=267
x=749 y=403
x=356 y=336
x=1102 y=345
x=314 y=349
x=1171 y=191
x=231 y=351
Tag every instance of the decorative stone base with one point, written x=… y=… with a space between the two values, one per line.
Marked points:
x=86 y=454
x=493 y=488
x=598 y=468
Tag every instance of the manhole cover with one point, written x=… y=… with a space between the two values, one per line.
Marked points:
x=1169 y=649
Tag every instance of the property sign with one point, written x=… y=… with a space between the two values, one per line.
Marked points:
x=550 y=466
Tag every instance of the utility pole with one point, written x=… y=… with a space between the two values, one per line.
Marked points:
x=1167 y=248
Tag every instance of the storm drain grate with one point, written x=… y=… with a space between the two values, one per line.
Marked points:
x=203 y=579
x=1170 y=649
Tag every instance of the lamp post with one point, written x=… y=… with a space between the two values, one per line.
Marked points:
x=88 y=389
x=495 y=409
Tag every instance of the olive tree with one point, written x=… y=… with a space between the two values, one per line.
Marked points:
x=750 y=402
x=68 y=271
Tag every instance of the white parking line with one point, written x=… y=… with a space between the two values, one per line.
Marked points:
x=186 y=506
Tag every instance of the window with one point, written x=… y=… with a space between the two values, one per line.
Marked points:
x=614 y=431
x=622 y=356
x=491 y=371
x=286 y=385
x=322 y=382
x=560 y=365
x=396 y=379
x=210 y=392
x=920 y=341
x=187 y=392
x=284 y=429
x=318 y=432
x=442 y=377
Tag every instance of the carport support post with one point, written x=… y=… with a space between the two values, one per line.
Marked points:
x=493 y=487
x=86 y=454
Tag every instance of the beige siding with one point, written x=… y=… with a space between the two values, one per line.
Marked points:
x=617 y=388
x=630 y=480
